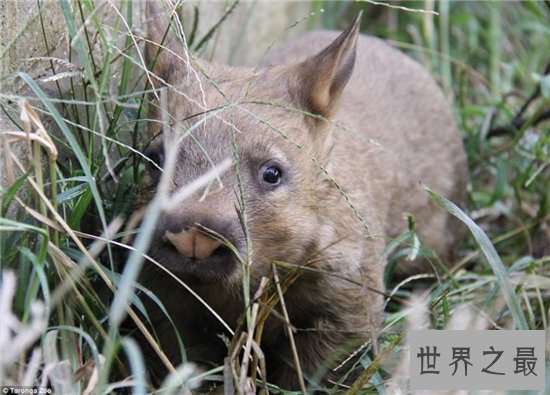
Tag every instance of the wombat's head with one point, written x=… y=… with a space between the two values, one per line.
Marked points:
x=271 y=123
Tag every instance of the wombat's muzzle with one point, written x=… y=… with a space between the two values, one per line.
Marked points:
x=194 y=244
x=197 y=247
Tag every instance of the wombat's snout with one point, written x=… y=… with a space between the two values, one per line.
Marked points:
x=193 y=243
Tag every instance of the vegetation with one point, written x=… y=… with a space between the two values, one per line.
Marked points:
x=62 y=215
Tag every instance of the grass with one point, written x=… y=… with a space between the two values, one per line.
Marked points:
x=61 y=214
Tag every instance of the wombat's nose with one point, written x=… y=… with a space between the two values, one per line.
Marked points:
x=192 y=243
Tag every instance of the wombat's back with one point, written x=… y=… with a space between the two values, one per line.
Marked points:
x=391 y=100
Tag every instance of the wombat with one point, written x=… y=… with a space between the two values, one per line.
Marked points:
x=328 y=141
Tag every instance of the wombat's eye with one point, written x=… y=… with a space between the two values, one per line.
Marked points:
x=271 y=174
x=156 y=156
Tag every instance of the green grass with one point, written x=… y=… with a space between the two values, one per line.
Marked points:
x=61 y=215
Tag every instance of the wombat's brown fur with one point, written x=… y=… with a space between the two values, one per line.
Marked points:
x=332 y=138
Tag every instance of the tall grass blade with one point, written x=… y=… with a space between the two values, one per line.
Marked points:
x=498 y=268
x=73 y=143
x=59 y=373
x=137 y=366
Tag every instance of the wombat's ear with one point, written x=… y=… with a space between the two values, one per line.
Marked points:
x=162 y=52
x=322 y=78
